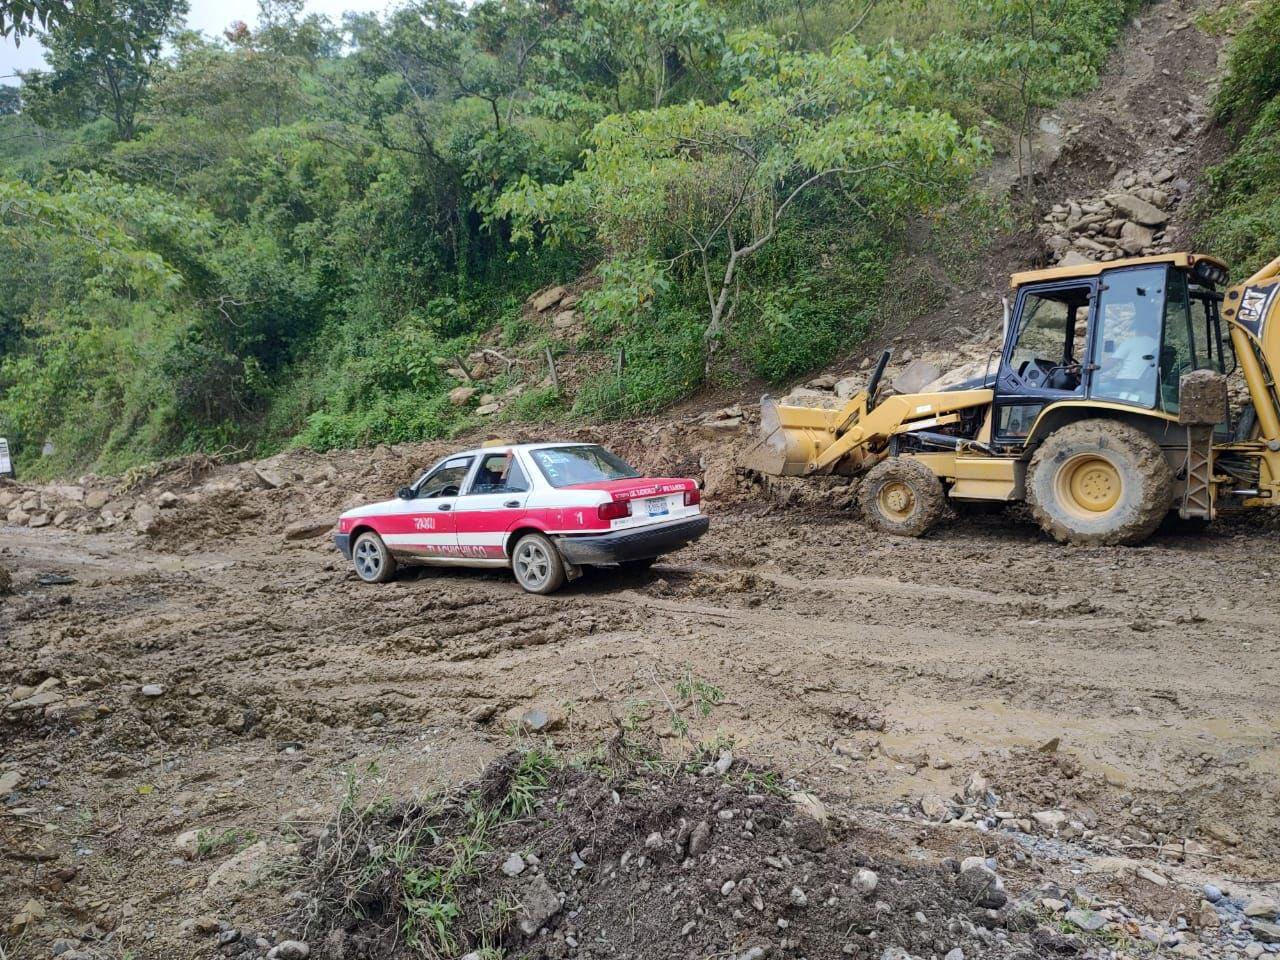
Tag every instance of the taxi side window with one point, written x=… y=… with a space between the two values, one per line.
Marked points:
x=499 y=473
x=446 y=480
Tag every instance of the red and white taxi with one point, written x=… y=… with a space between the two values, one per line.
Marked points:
x=543 y=509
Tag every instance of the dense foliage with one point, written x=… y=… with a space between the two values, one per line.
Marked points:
x=1243 y=206
x=291 y=232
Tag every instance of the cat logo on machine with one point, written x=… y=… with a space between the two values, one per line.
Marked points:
x=1254 y=306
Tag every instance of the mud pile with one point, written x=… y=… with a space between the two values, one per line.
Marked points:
x=711 y=858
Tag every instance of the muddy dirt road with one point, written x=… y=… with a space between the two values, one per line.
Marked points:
x=234 y=686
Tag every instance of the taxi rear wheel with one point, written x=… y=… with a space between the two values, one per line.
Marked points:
x=537 y=564
x=372 y=560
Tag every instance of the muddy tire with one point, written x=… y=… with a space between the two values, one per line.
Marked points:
x=537 y=564
x=1099 y=482
x=902 y=496
x=372 y=560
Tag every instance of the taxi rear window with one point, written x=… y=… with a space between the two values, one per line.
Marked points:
x=567 y=466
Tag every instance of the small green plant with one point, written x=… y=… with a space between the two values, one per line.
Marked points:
x=212 y=842
x=530 y=778
x=701 y=695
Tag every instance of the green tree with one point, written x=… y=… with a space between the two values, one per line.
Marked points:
x=102 y=55
x=712 y=184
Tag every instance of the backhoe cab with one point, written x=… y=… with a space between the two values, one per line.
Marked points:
x=1105 y=409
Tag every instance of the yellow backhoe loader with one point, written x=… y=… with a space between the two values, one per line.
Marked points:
x=1105 y=409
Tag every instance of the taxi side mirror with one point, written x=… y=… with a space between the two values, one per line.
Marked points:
x=406 y=493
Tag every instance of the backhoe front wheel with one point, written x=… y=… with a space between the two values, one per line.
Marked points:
x=902 y=496
x=1099 y=482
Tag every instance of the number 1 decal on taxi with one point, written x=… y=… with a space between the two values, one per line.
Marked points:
x=545 y=510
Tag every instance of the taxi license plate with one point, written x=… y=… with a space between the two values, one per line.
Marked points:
x=657 y=507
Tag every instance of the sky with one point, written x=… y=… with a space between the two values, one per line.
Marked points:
x=208 y=16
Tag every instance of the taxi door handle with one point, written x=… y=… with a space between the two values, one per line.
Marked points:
x=512 y=503
x=444 y=507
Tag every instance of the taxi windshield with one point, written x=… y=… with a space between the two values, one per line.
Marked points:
x=567 y=466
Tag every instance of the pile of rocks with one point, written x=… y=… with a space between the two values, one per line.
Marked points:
x=1128 y=220
x=84 y=510
x=907 y=372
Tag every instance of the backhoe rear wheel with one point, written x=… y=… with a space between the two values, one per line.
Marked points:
x=1099 y=482
x=902 y=496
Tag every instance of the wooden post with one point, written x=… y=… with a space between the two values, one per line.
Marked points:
x=551 y=365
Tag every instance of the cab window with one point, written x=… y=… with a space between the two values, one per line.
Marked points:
x=1178 y=352
x=499 y=473
x=446 y=479
x=1052 y=325
x=1126 y=349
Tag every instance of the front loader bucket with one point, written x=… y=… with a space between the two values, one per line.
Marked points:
x=783 y=450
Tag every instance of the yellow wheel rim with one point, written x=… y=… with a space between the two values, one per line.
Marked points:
x=896 y=499
x=1089 y=485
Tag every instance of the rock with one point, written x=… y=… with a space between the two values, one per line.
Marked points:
x=1085 y=919
x=1260 y=907
x=513 y=866
x=1050 y=821
x=535 y=719
x=915 y=375
x=269 y=477
x=242 y=869
x=1212 y=893
x=1073 y=258
x=1221 y=832
x=167 y=500
x=96 y=499
x=32 y=912
x=865 y=881
x=63 y=946
x=42 y=699
x=810 y=806
x=1134 y=237
x=847 y=387
x=653 y=841
x=956 y=954
x=42 y=520
x=538 y=904
x=152 y=690
x=460 y=395
x=935 y=807
x=306 y=529
x=852 y=749
x=1265 y=932
x=187 y=843
x=289 y=950
x=798 y=897
x=72 y=711
x=724 y=762
x=983 y=887
x=548 y=299
x=1151 y=876
x=976 y=787
x=699 y=838
x=1138 y=210
x=564 y=319
x=9 y=781
x=488 y=409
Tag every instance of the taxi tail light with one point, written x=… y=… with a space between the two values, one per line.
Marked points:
x=692 y=497
x=615 y=510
